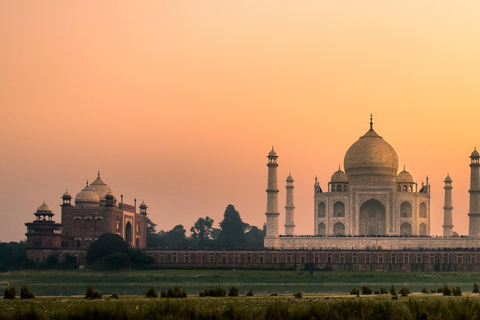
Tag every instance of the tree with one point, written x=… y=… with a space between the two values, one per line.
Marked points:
x=106 y=244
x=140 y=259
x=202 y=231
x=254 y=237
x=117 y=260
x=151 y=226
x=176 y=236
x=233 y=229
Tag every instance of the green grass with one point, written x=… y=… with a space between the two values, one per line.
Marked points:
x=136 y=282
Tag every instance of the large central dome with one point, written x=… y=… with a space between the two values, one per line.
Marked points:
x=371 y=159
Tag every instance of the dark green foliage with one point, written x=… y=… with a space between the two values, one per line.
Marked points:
x=175 y=293
x=393 y=291
x=376 y=291
x=433 y=290
x=249 y=293
x=13 y=256
x=298 y=295
x=106 y=244
x=114 y=296
x=52 y=261
x=274 y=294
x=92 y=293
x=404 y=292
x=174 y=238
x=354 y=292
x=476 y=288
x=424 y=290
x=163 y=294
x=254 y=237
x=118 y=260
x=202 y=231
x=233 y=229
x=150 y=226
x=217 y=292
x=69 y=262
x=140 y=259
x=383 y=290
x=151 y=293
x=446 y=290
x=233 y=291
x=9 y=293
x=366 y=290
x=457 y=291
x=26 y=294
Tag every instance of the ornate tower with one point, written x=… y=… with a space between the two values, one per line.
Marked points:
x=272 y=196
x=289 y=208
x=474 y=224
x=447 y=209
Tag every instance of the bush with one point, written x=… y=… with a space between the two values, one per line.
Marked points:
x=274 y=294
x=393 y=291
x=163 y=294
x=92 y=293
x=114 y=296
x=118 y=260
x=354 y=292
x=217 y=292
x=376 y=291
x=233 y=291
x=404 y=292
x=9 y=293
x=424 y=290
x=366 y=290
x=151 y=293
x=476 y=288
x=176 y=293
x=249 y=293
x=383 y=290
x=433 y=291
x=26 y=294
x=457 y=291
x=299 y=294
x=446 y=290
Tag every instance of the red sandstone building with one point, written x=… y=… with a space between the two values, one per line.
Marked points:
x=95 y=212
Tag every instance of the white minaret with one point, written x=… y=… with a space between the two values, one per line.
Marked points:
x=474 y=223
x=447 y=209
x=289 y=208
x=272 y=196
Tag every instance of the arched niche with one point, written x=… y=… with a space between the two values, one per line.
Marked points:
x=372 y=219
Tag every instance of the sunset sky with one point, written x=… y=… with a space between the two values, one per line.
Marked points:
x=179 y=102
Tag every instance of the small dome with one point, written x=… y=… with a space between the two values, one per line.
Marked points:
x=272 y=153
x=289 y=178
x=475 y=153
x=109 y=195
x=87 y=195
x=44 y=208
x=404 y=176
x=339 y=176
x=100 y=187
x=448 y=179
x=143 y=205
x=66 y=194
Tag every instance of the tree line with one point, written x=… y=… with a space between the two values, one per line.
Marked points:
x=233 y=233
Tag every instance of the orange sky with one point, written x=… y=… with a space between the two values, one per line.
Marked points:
x=179 y=102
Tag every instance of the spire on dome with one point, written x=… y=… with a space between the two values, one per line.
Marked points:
x=371 y=121
x=98 y=174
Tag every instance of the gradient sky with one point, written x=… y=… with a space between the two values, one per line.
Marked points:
x=179 y=102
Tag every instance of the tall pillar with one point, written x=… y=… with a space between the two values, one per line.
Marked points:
x=447 y=209
x=272 y=196
x=289 y=208
x=474 y=215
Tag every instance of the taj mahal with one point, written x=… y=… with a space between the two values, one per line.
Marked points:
x=370 y=205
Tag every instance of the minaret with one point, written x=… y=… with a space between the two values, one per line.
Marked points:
x=474 y=223
x=272 y=196
x=447 y=209
x=289 y=208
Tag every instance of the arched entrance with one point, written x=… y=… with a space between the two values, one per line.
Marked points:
x=321 y=229
x=372 y=218
x=128 y=233
x=406 y=229
x=339 y=229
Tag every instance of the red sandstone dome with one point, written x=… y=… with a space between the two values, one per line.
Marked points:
x=371 y=159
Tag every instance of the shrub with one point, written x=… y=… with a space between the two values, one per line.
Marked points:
x=376 y=291
x=446 y=290
x=457 y=291
x=114 y=296
x=366 y=290
x=176 y=293
x=217 y=292
x=354 y=292
x=393 y=291
x=433 y=291
x=249 y=293
x=26 y=294
x=9 y=293
x=404 y=292
x=274 y=294
x=233 y=291
x=383 y=290
x=476 y=288
x=424 y=290
x=163 y=294
x=299 y=294
x=117 y=260
x=151 y=293
x=92 y=293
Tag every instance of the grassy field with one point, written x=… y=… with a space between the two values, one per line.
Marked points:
x=136 y=282
x=417 y=306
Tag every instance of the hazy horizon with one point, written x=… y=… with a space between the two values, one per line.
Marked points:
x=179 y=102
